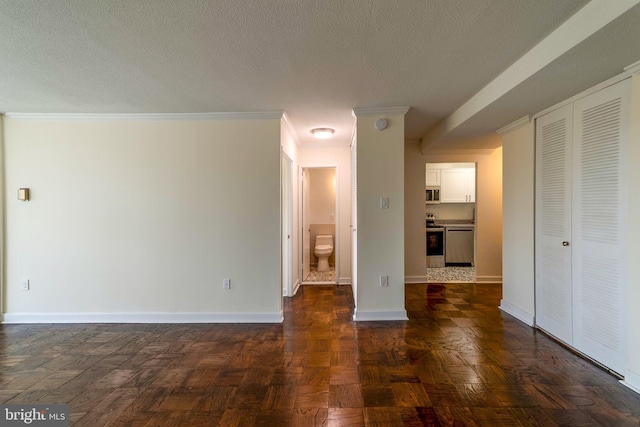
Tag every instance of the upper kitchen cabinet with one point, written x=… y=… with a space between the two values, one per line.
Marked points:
x=458 y=185
x=433 y=177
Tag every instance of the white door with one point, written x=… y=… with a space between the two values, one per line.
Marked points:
x=286 y=224
x=306 y=228
x=599 y=220
x=553 y=223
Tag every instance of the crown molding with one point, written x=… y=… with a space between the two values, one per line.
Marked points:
x=378 y=111
x=633 y=68
x=514 y=125
x=267 y=115
x=292 y=130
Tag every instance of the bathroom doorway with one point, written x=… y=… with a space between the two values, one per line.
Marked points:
x=318 y=219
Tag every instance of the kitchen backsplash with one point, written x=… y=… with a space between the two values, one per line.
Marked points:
x=461 y=211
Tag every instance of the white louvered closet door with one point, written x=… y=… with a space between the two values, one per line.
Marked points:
x=553 y=223
x=599 y=221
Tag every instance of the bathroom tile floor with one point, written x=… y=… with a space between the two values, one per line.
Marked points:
x=321 y=276
x=451 y=274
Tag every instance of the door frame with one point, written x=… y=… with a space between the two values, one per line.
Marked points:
x=336 y=243
x=286 y=224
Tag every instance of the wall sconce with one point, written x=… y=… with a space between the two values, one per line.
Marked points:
x=23 y=194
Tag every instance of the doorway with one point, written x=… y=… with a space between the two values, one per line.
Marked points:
x=319 y=226
x=450 y=210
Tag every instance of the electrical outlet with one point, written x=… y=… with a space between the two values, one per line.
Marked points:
x=226 y=284
x=25 y=285
x=384 y=281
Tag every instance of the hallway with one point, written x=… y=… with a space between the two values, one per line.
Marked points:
x=459 y=360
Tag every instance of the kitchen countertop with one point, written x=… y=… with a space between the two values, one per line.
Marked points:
x=455 y=223
x=447 y=224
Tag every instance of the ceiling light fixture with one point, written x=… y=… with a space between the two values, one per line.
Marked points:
x=322 y=133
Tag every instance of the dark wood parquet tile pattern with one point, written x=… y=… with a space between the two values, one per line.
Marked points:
x=458 y=361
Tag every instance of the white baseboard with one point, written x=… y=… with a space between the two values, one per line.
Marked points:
x=632 y=381
x=516 y=312
x=296 y=287
x=488 y=279
x=375 y=316
x=344 y=280
x=415 y=279
x=276 y=317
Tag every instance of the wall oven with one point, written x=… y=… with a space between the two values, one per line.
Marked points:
x=435 y=246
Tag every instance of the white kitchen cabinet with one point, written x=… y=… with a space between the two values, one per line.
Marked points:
x=458 y=185
x=433 y=177
x=581 y=221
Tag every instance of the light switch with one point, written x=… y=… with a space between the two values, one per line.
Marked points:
x=384 y=203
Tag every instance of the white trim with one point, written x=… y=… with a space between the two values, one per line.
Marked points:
x=378 y=111
x=377 y=316
x=292 y=130
x=296 y=287
x=488 y=279
x=633 y=68
x=267 y=115
x=523 y=121
x=344 y=280
x=631 y=380
x=275 y=317
x=516 y=312
x=415 y=279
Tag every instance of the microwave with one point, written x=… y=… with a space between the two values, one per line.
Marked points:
x=433 y=195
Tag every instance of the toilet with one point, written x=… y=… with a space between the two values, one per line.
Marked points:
x=323 y=250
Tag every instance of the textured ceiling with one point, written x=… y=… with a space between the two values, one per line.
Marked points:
x=316 y=60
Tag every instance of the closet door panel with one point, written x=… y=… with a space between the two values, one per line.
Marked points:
x=599 y=220
x=553 y=223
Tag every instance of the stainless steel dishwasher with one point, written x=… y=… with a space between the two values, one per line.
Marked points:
x=459 y=245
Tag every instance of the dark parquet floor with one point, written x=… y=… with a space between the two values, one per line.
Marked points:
x=458 y=361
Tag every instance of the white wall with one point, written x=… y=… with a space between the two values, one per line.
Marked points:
x=2 y=228
x=488 y=208
x=518 y=176
x=380 y=173
x=143 y=218
x=340 y=158
x=322 y=196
